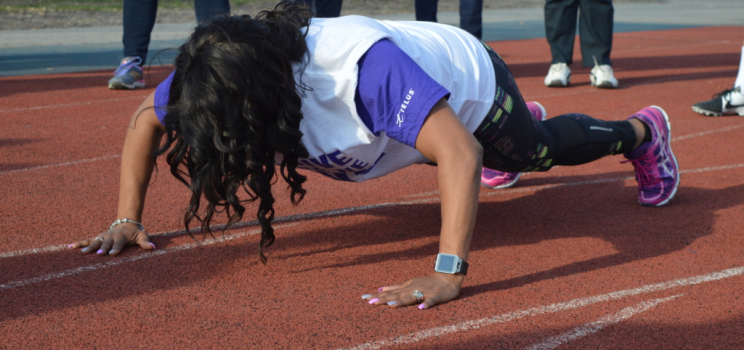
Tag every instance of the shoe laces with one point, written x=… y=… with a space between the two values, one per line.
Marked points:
x=605 y=68
x=557 y=67
x=644 y=176
x=124 y=68
x=726 y=94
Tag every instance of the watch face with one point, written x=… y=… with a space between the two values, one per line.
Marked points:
x=446 y=263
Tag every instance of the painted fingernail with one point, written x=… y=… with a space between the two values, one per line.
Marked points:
x=380 y=290
x=421 y=307
x=71 y=245
x=374 y=301
x=85 y=249
x=366 y=296
x=391 y=303
x=153 y=245
x=100 y=251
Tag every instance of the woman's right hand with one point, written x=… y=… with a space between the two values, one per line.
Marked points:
x=113 y=241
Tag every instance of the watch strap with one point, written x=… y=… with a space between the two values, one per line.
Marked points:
x=464 y=267
x=462 y=264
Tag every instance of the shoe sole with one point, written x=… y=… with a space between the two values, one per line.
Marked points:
x=604 y=85
x=559 y=83
x=506 y=185
x=676 y=165
x=706 y=112
x=738 y=111
x=121 y=86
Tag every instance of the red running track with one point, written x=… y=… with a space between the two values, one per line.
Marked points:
x=568 y=259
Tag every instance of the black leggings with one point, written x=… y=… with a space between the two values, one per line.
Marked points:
x=513 y=140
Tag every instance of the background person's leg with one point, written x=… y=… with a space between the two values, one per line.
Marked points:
x=426 y=10
x=740 y=75
x=139 y=18
x=560 y=28
x=729 y=100
x=471 y=17
x=205 y=10
x=328 y=8
x=595 y=31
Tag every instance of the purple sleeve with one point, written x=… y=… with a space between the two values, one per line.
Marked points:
x=161 y=97
x=394 y=94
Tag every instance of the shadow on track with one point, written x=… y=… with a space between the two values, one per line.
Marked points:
x=606 y=211
x=603 y=211
x=625 y=64
x=11 y=142
x=72 y=81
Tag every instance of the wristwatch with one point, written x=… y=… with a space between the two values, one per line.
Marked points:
x=452 y=264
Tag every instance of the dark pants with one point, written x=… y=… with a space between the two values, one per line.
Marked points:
x=324 y=8
x=595 y=29
x=471 y=14
x=139 y=18
x=514 y=141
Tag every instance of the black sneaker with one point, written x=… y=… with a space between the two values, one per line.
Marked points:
x=728 y=101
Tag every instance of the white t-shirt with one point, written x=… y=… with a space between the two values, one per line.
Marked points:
x=339 y=144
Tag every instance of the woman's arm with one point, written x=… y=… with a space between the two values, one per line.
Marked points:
x=446 y=141
x=143 y=138
x=458 y=155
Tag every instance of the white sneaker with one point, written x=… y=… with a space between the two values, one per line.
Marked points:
x=559 y=75
x=602 y=77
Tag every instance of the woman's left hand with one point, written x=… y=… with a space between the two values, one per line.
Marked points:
x=436 y=288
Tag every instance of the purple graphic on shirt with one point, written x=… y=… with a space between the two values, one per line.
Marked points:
x=394 y=94
x=338 y=168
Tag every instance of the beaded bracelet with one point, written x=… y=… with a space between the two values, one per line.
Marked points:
x=121 y=221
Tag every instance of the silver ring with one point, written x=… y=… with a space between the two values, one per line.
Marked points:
x=99 y=239
x=418 y=295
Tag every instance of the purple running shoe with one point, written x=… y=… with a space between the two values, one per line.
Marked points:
x=657 y=171
x=537 y=110
x=128 y=75
x=498 y=179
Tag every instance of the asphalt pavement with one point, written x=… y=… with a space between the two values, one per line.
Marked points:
x=48 y=51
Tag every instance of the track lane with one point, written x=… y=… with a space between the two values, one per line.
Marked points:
x=308 y=295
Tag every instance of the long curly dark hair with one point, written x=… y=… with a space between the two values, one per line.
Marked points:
x=233 y=104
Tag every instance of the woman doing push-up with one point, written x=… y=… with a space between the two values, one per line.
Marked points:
x=254 y=99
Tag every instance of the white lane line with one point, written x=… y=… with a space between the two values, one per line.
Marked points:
x=592 y=182
x=322 y=214
x=590 y=90
x=215 y=228
x=684 y=137
x=539 y=310
x=59 y=165
x=70 y=104
x=590 y=328
x=703 y=133
x=150 y=254
x=51 y=248
x=711 y=168
x=423 y=194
